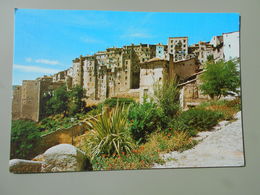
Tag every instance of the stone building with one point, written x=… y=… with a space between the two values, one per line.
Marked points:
x=27 y=99
x=16 y=102
x=77 y=71
x=216 y=40
x=60 y=76
x=202 y=50
x=178 y=47
x=114 y=71
x=129 y=70
x=156 y=71
x=190 y=93
x=161 y=51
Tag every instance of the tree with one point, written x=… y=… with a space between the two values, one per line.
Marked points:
x=58 y=103
x=77 y=104
x=45 y=111
x=220 y=79
x=25 y=136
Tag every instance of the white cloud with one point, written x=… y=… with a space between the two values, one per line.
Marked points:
x=35 y=69
x=46 y=61
x=139 y=35
x=88 y=39
x=43 y=61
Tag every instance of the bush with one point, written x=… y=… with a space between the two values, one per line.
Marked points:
x=199 y=119
x=167 y=97
x=227 y=108
x=24 y=138
x=110 y=133
x=146 y=154
x=145 y=119
x=96 y=110
x=112 y=102
x=179 y=125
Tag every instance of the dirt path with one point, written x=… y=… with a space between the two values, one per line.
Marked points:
x=221 y=147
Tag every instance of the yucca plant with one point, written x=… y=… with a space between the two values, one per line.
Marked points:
x=110 y=133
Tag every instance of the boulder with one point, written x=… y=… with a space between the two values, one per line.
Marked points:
x=65 y=157
x=24 y=166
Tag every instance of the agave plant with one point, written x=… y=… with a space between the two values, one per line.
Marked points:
x=110 y=133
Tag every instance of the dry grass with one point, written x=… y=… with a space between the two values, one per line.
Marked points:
x=146 y=154
x=228 y=112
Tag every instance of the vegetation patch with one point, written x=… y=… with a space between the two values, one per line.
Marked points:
x=145 y=155
x=145 y=119
x=25 y=136
x=112 y=102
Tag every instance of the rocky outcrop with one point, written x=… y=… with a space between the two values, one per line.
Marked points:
x=25 y=166
x=65 y=157
x=59 y=158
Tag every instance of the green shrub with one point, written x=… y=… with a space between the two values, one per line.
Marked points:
x=199 y=119
x=112 y=102
x=167 y=98
x=179 y=125
x=24 y=138
x=227 y=108
x=96 y=110
x=110 y=133
x=145 y=119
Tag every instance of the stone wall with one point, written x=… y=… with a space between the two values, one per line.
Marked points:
x=30 y=100
x=61 y=136
x=16 y=102
x=191 y=95
x=184 y=69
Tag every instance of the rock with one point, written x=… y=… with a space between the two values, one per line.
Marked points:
x=65 y=157
x=24 y=166
x=38 y=158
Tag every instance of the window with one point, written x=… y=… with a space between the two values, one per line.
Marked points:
x=229 y=46
x=159 y=51
x=171 y=41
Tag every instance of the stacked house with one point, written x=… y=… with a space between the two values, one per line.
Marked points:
x=128 y=70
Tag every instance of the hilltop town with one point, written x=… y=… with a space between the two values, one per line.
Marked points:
x=130 y=71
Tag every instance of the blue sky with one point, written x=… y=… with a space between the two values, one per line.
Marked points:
x=46 y=41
